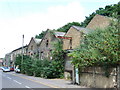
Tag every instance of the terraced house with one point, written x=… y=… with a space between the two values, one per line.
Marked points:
x=16 y=52
x=46 y=44
x=91 y=76
x=99 y=21
x=71 y=41
x=33 y=47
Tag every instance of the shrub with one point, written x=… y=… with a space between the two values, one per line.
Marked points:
x=99 y=48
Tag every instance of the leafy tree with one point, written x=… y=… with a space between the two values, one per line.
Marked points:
x=18 y=61
x=25 y=65
x=57 y=64
x=109 y=10
x=40 y=36
x=99 y=48
x=66 y=27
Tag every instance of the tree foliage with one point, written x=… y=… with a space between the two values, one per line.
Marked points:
x=66 y=27
x=100 y=47
x=58 y=58
x=109 y=10
x=18 y=61
x=43 y=68
x=40 y=36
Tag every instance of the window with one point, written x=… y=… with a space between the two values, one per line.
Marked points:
x=47 y=43
x=31 y=47
x=41 y=56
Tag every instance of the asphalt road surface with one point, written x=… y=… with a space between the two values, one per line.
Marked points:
x=8 y=80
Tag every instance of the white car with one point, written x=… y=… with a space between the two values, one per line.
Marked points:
x=17 y=70
x=1 y=68
x=6 y=69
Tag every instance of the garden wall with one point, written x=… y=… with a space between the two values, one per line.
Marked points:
x=95 y=77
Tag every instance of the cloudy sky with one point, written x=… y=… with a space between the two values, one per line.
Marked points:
x=30 y=17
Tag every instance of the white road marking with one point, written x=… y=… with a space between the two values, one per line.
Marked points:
x=27 y=87
x=17 y=82
x=9 y=78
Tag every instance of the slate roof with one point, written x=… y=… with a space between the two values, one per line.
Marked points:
x=37 y=41
x=20 y=48
x=59 y=33
x=84 y=30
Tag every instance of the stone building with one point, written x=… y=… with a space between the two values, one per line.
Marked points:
x=93 y=76
x=99 y=21
x=16 y=52
x=7 y=59
x=71 y=41
x=73 y=37
x=46 y=44
x=33 y=47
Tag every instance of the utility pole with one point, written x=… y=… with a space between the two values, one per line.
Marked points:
x=22 y=48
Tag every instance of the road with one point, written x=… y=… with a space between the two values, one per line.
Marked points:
x=10 y=80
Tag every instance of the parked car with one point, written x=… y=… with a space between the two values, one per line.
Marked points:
x=17 y=70
x=1 y=68
x=6 y=69
x=11 y=68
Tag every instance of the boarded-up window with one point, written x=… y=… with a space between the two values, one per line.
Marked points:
x=47 y=43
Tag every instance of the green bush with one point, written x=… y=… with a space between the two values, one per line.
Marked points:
x=41 y=68
x=37 y=67
x=99 y=48
x=47 y=69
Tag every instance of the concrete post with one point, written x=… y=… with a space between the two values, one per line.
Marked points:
x=73 y=75
x=118 y=78
x=94 y=82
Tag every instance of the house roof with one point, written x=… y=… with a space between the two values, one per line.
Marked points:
x=37 y=41
x=20 y=48
x=81 y=29
x=59 y=33
x=56 y=33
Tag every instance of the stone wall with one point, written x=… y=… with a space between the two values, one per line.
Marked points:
x=32 y=47
x=46 y=45
x=94 y=77
x=98 y=21
x=75 y=39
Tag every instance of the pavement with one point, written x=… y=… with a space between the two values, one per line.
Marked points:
x=53 y=83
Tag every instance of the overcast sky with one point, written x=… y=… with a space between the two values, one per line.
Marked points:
x=30 y=17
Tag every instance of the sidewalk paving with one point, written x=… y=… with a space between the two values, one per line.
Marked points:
x=53 y=83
